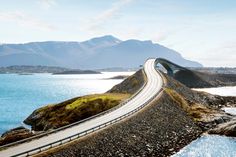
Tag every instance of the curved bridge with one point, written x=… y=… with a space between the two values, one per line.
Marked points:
x=148 y=92
x=170 y=67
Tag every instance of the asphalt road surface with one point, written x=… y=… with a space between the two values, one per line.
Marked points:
x=152 y=87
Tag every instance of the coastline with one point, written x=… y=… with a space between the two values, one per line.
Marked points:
x=149 y=129
x=159 y=116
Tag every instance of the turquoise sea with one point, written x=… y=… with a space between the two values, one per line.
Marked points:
x=20 y=95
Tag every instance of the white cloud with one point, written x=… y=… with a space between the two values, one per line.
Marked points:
x=107 y=15
x=25 y=20
x=46 y=4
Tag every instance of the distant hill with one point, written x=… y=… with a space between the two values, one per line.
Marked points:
x=29 y=69
x=101 y=52
x=215 y=70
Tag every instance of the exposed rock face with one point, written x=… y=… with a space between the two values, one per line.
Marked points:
x=73 y=110
x=206 y=99
x=203 y=107
x=15 y=134
x=194 y=79
x=227 y=129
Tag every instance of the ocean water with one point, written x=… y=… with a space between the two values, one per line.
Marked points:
x=212 y=145
x=223 y=91
x=230 y=110
x=20 y=95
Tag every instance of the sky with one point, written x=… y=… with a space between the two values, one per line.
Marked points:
x=201 y=30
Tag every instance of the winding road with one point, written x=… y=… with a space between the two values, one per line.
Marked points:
x=153 y=87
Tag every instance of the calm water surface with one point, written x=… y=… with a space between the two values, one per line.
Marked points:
x=20 y=95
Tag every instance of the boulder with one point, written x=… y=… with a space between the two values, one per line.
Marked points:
x=15 y=134
x=227 y=129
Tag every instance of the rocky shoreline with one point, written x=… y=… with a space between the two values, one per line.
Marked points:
x=178 y=117
x=196 y=79
x=53 y=116
x=15 y=134
x=161 y=129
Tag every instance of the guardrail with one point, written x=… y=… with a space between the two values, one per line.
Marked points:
x=84 y=133
x=81 y=134
x=73 y=124
x=76 y=123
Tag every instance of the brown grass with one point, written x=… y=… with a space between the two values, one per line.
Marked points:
x=197 y=111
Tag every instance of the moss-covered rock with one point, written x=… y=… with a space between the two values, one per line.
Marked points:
x=15 y=134
x=70 y=111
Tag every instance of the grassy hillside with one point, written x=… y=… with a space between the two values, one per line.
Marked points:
x=197 y=111
x=58 y=115
x=76 y=109
x=130 y=85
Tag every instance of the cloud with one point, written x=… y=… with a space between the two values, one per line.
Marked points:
x=25 y=20
x=46 y=4
x=107 y=15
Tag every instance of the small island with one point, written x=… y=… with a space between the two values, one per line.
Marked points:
x=120 y=77
x=69 y=72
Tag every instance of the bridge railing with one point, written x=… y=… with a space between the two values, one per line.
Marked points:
x=76 y=123
x=84 y=133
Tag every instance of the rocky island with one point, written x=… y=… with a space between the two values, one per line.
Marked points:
x=69 y=72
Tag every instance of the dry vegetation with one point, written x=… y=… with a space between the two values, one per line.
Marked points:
x=76 y=109
x=130 y=85
x=198 y=111
x=55 y=116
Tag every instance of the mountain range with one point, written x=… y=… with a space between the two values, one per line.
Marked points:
x=101 y=52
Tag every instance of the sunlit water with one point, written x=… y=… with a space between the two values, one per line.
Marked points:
x=223 y=91
x=20 y=95
x=212 y=145
x=230 y=110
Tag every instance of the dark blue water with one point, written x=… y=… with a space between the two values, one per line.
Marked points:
x=20 y=95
